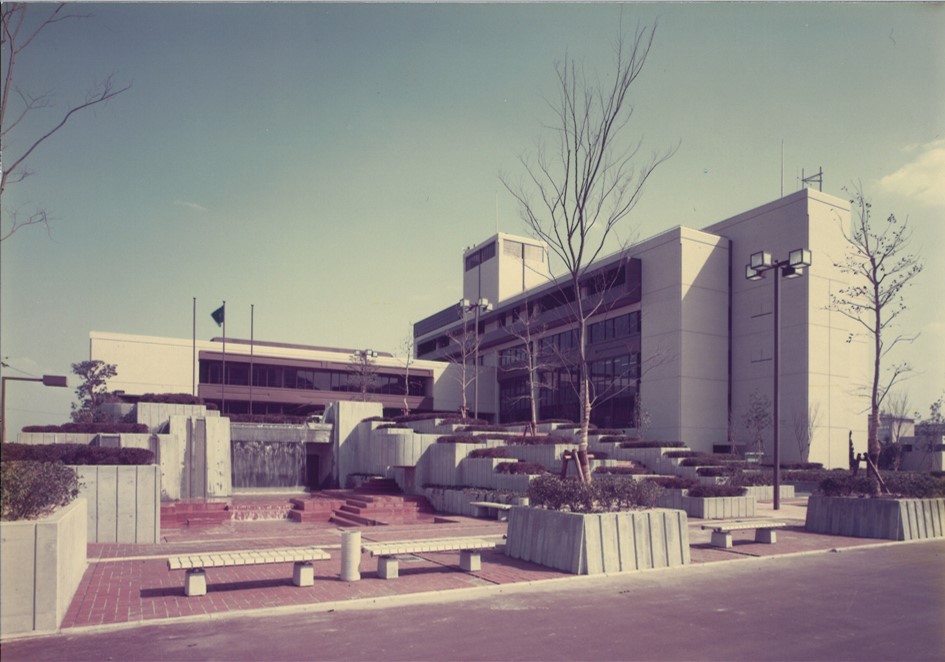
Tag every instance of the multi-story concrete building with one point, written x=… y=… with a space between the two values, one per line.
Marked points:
x=679 y=326
x=277 y=378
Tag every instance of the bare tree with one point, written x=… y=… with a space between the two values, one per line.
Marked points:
x=757 y=418
x=464 y=346
x=880 y=269
x=363 y=367
x=18 y=103
x=805 y=424
x=576 y=195
x=529 y=357
x=407 y=348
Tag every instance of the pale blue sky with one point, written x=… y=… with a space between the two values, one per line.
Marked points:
x=329 y=163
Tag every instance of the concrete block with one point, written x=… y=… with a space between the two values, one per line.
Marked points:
x=388 y=567
x=721 y=539
x=303 y=573
x=769 y=536
x=470 y=561
x=195 y=582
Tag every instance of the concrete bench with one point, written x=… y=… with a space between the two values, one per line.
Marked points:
x=488 y=508
x=764 y=531
x=386 y=552
x=195 y=580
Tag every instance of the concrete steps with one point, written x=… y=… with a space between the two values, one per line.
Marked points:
x=186 y=514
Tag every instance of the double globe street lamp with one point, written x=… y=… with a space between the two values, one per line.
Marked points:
x=793 y=267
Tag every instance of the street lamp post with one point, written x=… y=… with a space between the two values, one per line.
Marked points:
x=480 y=306
x=47 y=380
x=793 y=267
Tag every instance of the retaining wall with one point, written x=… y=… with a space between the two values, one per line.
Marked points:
x=41 y=564
x=123 y=503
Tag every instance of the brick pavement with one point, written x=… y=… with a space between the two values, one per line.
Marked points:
x=132 y=584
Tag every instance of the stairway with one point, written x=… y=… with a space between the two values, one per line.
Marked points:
x=181 y=514
x=377 y=509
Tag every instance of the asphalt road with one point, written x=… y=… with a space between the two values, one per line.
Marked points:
x=876 y=603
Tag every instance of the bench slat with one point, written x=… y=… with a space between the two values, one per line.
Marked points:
x=246 y=557
x=419 y=546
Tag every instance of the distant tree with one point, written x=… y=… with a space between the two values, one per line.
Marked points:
x=805 y=425
x=17 y=33
x=757 y=419
x=407 y=349
x=362 y=365
x=880 y=268
x=92 y=391
x=579 y=191
x=464 y=345
x=528 y=329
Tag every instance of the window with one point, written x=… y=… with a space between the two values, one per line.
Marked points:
x=484 y=254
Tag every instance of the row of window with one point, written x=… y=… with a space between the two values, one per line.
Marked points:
x=476 y=258
x=622 y=326
x=309 y=379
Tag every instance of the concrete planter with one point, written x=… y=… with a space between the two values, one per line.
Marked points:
x=596 y=543
x=124 y=502
x=890 y=519
x=709 y=507
x=41 y=564
x=766 y=492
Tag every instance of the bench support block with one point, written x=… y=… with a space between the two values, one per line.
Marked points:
x=769 y=536
x=195 y=582
x=721 y=539
x=470 y=561
x=303 y=574
x=388 y=567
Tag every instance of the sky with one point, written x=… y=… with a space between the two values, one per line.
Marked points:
x=328 y=163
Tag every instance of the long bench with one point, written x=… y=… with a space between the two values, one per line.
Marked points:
x=195 y=580
x=488 y=508
x=764 y=531
x=386 y=552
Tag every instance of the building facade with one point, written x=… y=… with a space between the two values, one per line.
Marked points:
x=265 y=377
x=679 y=327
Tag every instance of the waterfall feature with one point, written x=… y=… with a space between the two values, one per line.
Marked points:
x=268 y=464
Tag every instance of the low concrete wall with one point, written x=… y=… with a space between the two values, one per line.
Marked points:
x=766 y=492
x=890 y=519
x=41 y=564
x=589 y=544
x=156 y=415
x=456 y=501
x=123 y=502
x=43 y=438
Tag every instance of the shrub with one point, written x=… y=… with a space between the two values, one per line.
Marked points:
x=847 y=485
x=599 y=455
x=498 y=451
x=459 y=420
x=484 y=428
x=273 y=419
x=382 y=419
x=937 y=474
x=623 y=471
x=536 y=440
x=529 y=468
x=906 y=484
x=707 y=460
x=33 y=489
x=636 y=443
x=171 y=398
x=460 y=439
x=709 y=491
x=677 y=454
x=393 y=426
x=714 y=471
x=90 y=428
x=76 y=454
x=607 y=431
x=748 y=478
x=604 y=494
x=673 y=482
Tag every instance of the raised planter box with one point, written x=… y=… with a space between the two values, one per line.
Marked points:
x=766 y=492
x=41 y=564
x=890 y=519
x=709 y=507
x=590 y=544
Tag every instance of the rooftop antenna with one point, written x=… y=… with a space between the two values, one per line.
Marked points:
x=816 y=178
x=497 y=211
x=782 y=167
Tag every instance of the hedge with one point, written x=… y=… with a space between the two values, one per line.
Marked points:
x=673 y=482
x=636 y=443
x=90 y=428
x=460 y=439
x=497 y=451
x=33 y=489
x=171 y=398
x=272 y=419
x=710 y=491
x=529 y=468
x=906 y=484
x=623 y=471
x=604 y=494
x=393 y=426
x=77 y=454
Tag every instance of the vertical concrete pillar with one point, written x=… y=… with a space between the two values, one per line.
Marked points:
x=351 y=556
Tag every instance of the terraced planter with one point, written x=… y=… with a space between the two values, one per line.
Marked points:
x=709 y=507
x=890 y=519
x=596 y=543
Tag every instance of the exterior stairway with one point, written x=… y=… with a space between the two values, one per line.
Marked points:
x=181 y=514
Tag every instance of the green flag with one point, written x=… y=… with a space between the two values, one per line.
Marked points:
x=219 y=314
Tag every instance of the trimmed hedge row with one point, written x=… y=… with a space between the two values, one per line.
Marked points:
x=673 y=482
x=622 y=471
x=33 y=489
x=604 y=494
x=529 y=468
x=907 y=484
x=636 y=443
x=274 y=419
x=710 y=491
x=497 y=451
x=171 y=398
x=90 y=428
x=76 y=454
x=460 y=439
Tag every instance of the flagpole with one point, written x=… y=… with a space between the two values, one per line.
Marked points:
x=223 y=378
x=252 y=314
x=193 y=359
